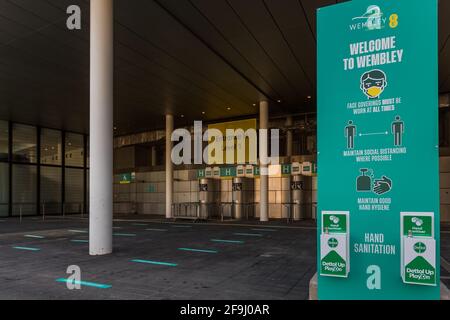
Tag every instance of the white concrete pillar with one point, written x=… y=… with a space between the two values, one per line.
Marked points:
x=263 y=154
x=169 y=166
x=289 y=136
x=153 y=156
x=101 y=127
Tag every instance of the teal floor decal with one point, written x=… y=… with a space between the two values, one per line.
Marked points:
x=227 y=241
x=27 y=248
x=86 y=284
x=198 y=250
x=168 y=264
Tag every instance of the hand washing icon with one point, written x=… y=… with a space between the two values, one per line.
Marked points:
x=380 y=186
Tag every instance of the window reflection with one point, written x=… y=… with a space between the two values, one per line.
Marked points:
x=24 y=143
x=74 y=150
x=51 y=147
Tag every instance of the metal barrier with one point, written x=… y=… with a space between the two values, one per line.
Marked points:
x=21 y=208
x=223 y=206
x=132 y=208
x=247 y=208
x=79 y=205
x=186 y=210
x=289 y=205
x=44 y=208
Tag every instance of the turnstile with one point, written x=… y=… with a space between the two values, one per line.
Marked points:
x=243 y=198
x=209 y=198
x=298 y=197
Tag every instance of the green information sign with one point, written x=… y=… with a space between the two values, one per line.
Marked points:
x=286 y=169
x=418 y=226
x=201 y=173
x=378 y=123
x=228 y=172
x=127 y=178
x=335 y=223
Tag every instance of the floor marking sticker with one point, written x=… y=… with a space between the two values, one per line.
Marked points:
x=33 y=236
x=227 y=241
x=155 y=262
x=159 y=230
x=198 y=250
x=78 y=231
x=85 y=283
x=27 y=248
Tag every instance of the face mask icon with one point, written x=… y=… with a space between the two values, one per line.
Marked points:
x=374 y=92
x=373 y=83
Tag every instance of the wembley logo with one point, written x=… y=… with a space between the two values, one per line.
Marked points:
x=373 y=19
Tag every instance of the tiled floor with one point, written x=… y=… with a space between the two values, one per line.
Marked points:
x=275 y=262
x=216 y=261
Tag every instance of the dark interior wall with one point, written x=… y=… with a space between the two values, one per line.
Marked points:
x=124 y=158
x=143 y=156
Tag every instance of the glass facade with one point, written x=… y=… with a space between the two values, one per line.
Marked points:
x=4 y=140
x=74 y=150
x=51 y=147
x=4 y=189
x=74 y=190
x=51 y=190
x=47 y=170
x=24 y=143
x=24 y=189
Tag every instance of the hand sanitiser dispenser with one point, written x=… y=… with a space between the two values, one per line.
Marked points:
x=335 y=244
x=364 y=182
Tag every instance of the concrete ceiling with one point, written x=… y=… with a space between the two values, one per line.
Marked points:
x=179 y=56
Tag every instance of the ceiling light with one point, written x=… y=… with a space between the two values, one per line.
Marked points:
x=309 y=97
x=279 y=101
x=228 y=108
x=254 y=104
x=182 y=115
x=203 y=112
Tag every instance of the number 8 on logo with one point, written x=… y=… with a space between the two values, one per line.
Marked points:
x=393 y=21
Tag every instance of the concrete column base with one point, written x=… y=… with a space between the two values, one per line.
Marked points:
x=445 y=292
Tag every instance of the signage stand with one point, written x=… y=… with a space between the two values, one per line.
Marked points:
x=335 y=240
x=418 y=265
